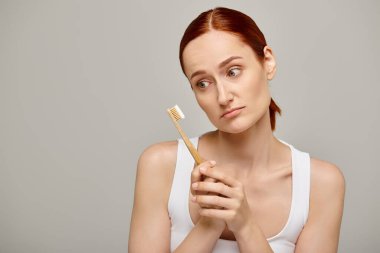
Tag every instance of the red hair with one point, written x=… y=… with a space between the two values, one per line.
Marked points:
x=237 y=23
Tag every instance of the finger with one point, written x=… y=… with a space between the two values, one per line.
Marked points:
x=219 y=176
x=214 y=187
x=196 y=176
x=200 y=192
x=193 y=198
x=209 y=206
x=222 y=214
x=209 y=179
x=203 y=177
x=216 y=201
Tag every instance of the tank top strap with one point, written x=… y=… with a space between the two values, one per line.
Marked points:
x=300 y=195
x=178 y=204
x=301 y=176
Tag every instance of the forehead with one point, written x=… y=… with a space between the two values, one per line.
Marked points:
x=212 y=48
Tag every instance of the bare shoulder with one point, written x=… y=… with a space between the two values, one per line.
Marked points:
x=321 y=231
x=327 y=182
x=150 y=217
x=326 y=174
x=154 y=176
x=161 y=153
x=158 y=160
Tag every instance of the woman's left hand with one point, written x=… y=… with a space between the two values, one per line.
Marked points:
x=230 y=202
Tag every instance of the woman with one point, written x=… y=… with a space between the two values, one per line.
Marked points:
x=254 y=192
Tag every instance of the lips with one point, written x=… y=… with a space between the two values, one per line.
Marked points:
x=232 y=112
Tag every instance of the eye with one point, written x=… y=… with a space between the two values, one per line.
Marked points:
x=203 y=84
x=233 y=72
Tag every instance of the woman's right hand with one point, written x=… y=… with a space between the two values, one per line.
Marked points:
x=197 y=177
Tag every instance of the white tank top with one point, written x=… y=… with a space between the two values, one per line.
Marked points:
x=283 y=242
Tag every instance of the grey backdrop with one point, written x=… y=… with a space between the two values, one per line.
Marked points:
x=83 y=90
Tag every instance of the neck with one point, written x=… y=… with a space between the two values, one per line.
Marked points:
x=253 y=148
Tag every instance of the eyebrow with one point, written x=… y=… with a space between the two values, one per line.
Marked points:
x=221 y=65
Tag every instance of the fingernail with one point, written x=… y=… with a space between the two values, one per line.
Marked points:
x=212 y=162
x=195 y=185
x=203 y=169
x=193 y=198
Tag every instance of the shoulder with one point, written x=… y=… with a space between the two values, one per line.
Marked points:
x=152 y=189
x=326 y=174
x=163 y=152
x=321 y=231
x=157 y=159
x=327 y=183
x=155 y=171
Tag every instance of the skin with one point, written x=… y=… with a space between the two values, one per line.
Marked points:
x=247 y=192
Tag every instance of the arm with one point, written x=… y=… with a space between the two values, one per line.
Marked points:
x=321 y=232
x=150 y=222
x=202 y=237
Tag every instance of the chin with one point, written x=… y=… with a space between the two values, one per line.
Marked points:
x=237 y=125
x=233 y=128
x=233 y=131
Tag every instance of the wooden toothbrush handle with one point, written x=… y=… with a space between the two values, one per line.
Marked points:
x=192 y=149
x=188 y=143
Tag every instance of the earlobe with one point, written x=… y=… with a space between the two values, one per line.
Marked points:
x=271 y=71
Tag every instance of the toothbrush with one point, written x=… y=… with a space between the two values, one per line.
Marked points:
x=176 y=114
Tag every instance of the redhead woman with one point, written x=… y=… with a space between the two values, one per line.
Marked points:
x=254 y=192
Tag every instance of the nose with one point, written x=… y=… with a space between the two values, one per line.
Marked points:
x=224 y=94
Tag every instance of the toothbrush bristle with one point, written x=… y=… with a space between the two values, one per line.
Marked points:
x=177 y=113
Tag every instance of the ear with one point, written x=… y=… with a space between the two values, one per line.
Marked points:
x=269 y=62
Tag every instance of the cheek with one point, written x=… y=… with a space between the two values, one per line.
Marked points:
x=203 y=101
x=207 y=104
x=258 y=88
